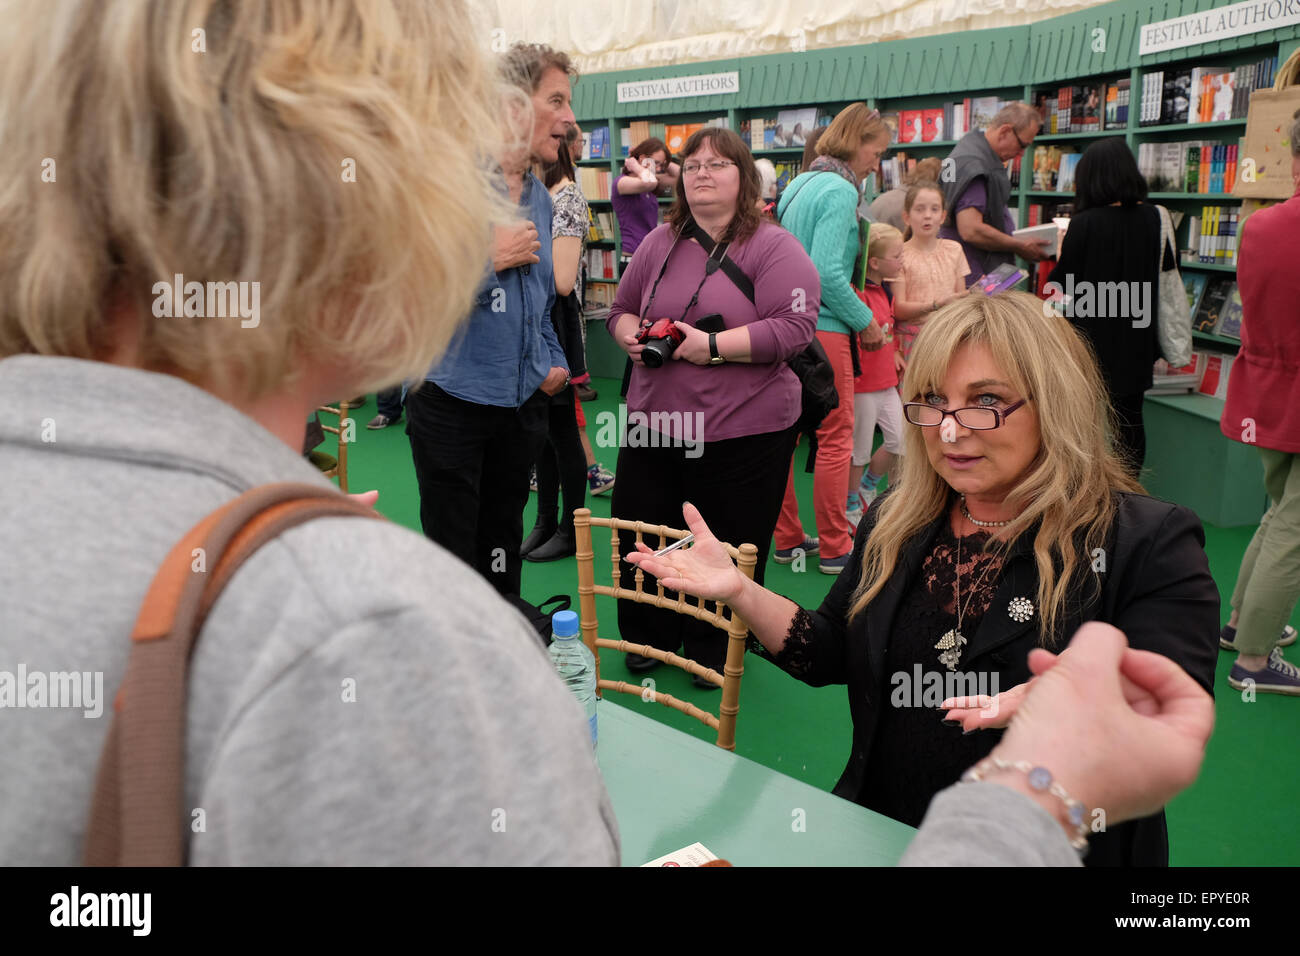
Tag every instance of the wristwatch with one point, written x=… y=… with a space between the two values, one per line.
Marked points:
x=714 y=357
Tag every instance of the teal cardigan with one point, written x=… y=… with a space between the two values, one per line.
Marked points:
x=821 y=210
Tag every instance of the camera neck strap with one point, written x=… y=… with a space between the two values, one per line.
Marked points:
x=717 y=259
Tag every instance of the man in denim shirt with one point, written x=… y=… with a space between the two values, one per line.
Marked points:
x=479 y=421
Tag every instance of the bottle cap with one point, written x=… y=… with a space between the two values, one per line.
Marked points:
x=564 y=624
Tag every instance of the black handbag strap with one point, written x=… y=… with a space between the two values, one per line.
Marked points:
x=728 y=266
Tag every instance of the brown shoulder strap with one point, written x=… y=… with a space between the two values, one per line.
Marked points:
x=137 y=817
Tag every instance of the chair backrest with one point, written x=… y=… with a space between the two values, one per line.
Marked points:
x=345 y=430
x=745 y=556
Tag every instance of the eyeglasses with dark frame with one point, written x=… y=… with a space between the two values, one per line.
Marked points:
x=1023 y=146
x=977 y=417
x=714 y=167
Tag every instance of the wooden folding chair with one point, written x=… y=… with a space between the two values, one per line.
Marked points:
x=745 y=556
x=340 y=469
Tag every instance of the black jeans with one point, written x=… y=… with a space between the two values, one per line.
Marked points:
x=737 y=484
x=562 y=463
x=471 y=463
x=1131 y=439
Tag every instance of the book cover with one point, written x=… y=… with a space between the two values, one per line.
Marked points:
x=1085 y=108
x=796 y=125
x=769 y=136
x=1065 y=179
x=1230 y=314
x=982 y=111
x=1194 y=284
x=1215 y=380
x=1001 y=279
x=910 y=126
x=1223 y=87
x=1211 y=305
x=931 y=125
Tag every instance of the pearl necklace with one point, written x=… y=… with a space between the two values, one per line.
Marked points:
x=980 y=524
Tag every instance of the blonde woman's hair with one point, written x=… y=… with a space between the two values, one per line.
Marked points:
x=854 y=125
x=1068 y=487
x=336 y=152
x=881 y=236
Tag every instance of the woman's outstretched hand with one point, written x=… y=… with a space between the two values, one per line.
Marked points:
x=702 y=569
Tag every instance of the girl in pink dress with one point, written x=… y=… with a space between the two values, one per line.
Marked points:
x=934 y=269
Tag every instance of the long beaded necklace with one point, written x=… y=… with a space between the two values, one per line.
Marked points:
x=953 y=640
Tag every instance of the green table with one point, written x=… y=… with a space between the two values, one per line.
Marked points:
x=670 y=790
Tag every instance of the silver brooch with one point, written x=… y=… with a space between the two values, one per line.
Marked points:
x=1021 y=610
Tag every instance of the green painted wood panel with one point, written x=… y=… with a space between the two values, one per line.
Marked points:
x=1035 y=54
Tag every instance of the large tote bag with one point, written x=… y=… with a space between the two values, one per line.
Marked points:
x=1174 y=326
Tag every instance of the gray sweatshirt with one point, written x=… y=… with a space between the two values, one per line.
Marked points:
x=358 y=696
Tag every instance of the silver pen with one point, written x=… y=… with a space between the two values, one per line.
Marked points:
x=675 y=545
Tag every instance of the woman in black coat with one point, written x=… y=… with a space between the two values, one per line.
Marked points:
x=1011 y=524
x=1109 y=268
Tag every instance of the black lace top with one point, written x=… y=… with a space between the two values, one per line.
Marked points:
x=914 y=754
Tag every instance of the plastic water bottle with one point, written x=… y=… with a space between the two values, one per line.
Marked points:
x=575 y=664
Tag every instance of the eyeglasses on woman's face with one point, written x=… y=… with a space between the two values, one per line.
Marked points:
x=974 y=417
x=714 y=167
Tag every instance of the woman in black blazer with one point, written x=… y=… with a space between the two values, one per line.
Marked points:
x=1008 y=528
x=1113 y=249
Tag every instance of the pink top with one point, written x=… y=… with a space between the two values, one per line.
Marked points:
x=934 y=274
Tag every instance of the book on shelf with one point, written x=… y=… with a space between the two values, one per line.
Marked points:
x=594 y=182
x=982 y=111
x=600 y=225
x=1214 y=382
x=1117 y=100
x=1230 y=314
x=600 y=264
x=910 y=127
x=1065 y=173
x=1197 y=166
x=1207 y=317
x=1194 y=285
x=1049 y=163
x=932 y=125
x=793 y=126
x=1178 y=381
x=597 y=297
x=1216 y=243
x=892 y=121
x=786 y=172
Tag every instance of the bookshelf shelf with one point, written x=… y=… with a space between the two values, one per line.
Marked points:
x=1208 y=266
x=611 y=281
x=779 y=151
x=592 y=162
x=1221 y=339
x=1189 y=127
x=1041 y=192
x=931 y=145
x=599 y=202
x=600 y=242
x=1197 y=197
x=1066 y=137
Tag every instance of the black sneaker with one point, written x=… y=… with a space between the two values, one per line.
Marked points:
x=638 y=664
x=586 y=393
x=382 y=421
x=1276 y=677
x=1228 y=635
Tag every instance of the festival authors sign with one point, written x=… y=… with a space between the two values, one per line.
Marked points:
x=673 y=87
x=1239 y=19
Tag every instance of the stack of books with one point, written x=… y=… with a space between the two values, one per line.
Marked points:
x=1212 y=236
x=1202 y=94
x=594 y=182
x=1196 y=166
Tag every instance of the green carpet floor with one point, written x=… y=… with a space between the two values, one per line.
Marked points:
x=1239 y=813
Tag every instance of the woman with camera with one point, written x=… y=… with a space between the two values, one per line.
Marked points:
x=711 y=307
x=1012 y=523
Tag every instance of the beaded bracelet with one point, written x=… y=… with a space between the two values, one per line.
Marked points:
x=1040 y=779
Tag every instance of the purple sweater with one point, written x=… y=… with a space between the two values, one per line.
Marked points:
x=737 y=398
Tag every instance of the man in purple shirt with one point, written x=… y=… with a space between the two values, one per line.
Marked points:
x=977 y=191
